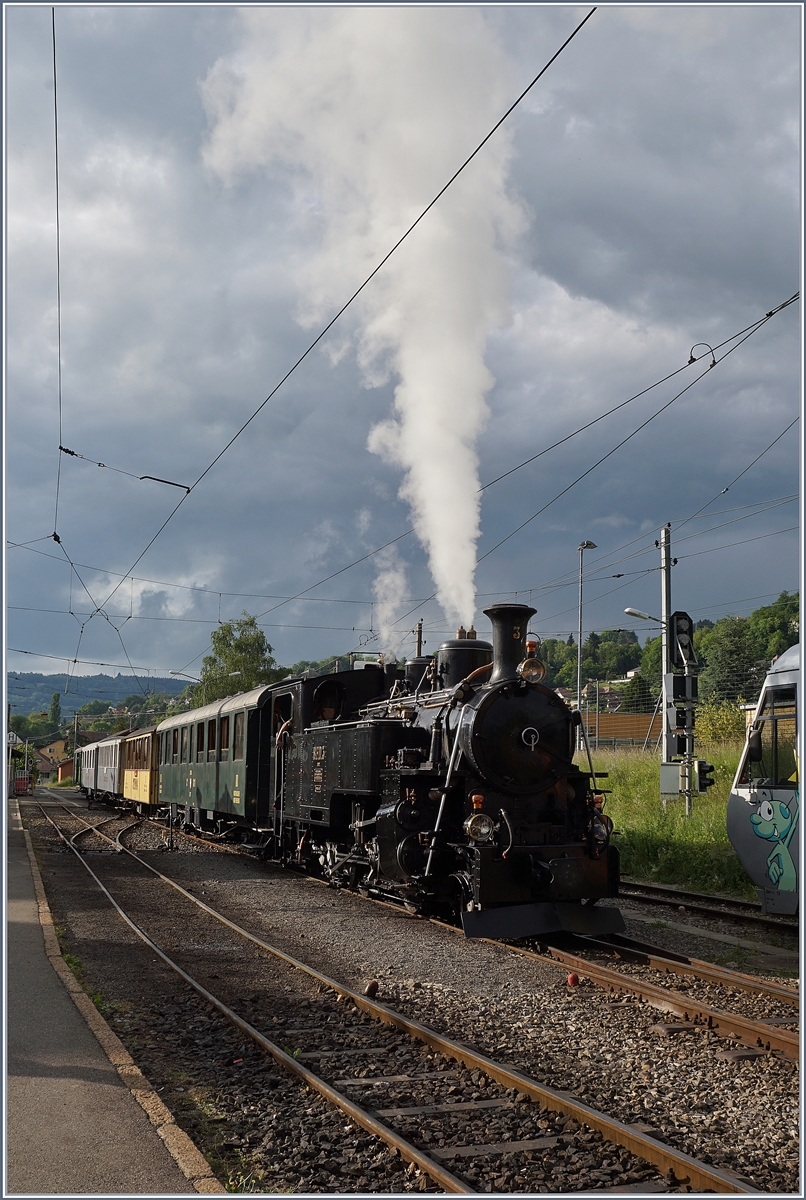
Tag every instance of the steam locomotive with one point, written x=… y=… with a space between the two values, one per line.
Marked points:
x=448 y=785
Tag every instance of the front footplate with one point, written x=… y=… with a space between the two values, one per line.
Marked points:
x=530 y=920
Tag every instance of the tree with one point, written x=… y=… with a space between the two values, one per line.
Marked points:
x=241 y=660
x=733 y=668
x=775 y=628
x=651 y=662
x=55 y=713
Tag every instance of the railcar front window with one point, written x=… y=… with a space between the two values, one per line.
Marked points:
x=777 y=725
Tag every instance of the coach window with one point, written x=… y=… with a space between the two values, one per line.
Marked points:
x=175 y=747
x=200 y=742
x=237 y=736
x=183 y=757
x=223 y=739
x=211 y=741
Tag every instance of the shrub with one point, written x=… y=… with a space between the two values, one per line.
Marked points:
x=721 y=721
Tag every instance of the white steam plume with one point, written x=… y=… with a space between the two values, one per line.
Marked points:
x=370 y=110
x=391 y=593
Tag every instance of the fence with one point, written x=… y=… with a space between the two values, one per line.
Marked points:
x=620 y=728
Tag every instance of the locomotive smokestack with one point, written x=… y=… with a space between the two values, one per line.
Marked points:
x=510 y=622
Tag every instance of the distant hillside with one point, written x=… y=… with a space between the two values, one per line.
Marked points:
x=29 y=692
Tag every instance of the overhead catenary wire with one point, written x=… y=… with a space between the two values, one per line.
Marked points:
x=714 y=362
x=303 y=594
x=58 y=272
x=761 y=506
x=119 y=470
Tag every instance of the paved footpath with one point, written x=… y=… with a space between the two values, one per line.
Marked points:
x=73 y=1126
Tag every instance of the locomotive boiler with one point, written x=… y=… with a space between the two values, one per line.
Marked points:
x=449 y=786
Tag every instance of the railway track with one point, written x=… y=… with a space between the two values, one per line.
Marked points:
x=759 y=1035
x=744 y=912
x=353 y=1051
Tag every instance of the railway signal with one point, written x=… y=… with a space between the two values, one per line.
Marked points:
x=704 y=775
x=682 y=640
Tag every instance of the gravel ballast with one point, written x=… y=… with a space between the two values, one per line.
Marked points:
x=742 y=1116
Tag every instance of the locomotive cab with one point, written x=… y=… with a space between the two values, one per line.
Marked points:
x=764 y=803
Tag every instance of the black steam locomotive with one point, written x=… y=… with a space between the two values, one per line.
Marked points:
x=449 y=785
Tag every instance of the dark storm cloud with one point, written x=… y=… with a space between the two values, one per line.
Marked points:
x=657 y=165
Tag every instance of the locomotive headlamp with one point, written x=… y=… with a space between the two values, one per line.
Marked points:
x=479 y=827
x=532 y=670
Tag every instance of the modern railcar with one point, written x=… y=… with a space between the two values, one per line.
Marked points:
x=764 y=803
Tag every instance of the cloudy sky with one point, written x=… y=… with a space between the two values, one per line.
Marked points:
x=228 y=179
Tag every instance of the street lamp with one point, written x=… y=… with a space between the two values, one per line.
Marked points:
x=586 y=545
x=635 y=612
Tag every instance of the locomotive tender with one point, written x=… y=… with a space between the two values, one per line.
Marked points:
x=448 y=786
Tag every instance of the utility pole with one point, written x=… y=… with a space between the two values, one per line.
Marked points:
x=665 y=613
x=586 y=545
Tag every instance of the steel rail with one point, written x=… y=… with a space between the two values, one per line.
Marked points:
x=701 y=1176
x=750 y=1033
x=668 y=900
x=445 y=1179
x=670 y=889
x=90 y=828
x=673 y=963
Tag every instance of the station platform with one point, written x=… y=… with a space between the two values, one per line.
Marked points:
x=73 y=1127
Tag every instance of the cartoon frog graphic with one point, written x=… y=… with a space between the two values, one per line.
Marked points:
x=775 y=823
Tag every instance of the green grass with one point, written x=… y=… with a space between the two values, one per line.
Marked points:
x=668 y=847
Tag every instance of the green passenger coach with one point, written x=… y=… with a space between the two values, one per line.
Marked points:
x=211 y=762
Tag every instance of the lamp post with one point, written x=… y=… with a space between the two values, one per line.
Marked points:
x=586 y=545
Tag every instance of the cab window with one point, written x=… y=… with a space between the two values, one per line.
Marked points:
x=770 y=758
x=327 y=700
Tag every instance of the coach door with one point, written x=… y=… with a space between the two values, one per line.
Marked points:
x=282 y=724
